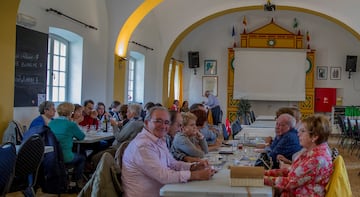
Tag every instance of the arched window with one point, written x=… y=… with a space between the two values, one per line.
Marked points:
x=135 y=77
x=64 y=77
x=57 y=69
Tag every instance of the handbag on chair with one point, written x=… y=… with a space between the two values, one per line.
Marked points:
x=265 y=160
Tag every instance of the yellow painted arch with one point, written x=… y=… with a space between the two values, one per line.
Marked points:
x=131 y=23
x=122 y=44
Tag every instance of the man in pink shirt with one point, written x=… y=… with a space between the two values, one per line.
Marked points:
x=147 y=164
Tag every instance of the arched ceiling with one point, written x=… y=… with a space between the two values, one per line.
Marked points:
x=175 y=17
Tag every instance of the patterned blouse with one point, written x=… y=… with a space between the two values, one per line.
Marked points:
x=307 y=176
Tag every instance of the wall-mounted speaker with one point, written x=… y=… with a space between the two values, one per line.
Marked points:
x=351 y=63
x=193 y=59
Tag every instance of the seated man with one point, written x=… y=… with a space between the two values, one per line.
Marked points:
x=47 y=113
x=147 y=163
x=90 y=115
x=131 y=128
x=286 y=142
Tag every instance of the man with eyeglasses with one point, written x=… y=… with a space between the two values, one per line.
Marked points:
x=147 y=164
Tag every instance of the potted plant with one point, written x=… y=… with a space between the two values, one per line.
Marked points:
x=243 y=111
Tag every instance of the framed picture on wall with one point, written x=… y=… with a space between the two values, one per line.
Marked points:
x=210 y=67
x=322 y=72
x=335 y=73
x=210 y=83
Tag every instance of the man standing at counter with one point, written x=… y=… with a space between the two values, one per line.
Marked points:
x=214 y=104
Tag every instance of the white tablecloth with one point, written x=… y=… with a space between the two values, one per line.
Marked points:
x=255 y=132
x=266 y=117
x=218 y=185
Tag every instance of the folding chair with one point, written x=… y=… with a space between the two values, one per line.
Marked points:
x=29 y=157
x=7 y=166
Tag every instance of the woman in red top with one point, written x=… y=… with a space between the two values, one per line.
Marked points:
x=310 y=172
x=175 y=106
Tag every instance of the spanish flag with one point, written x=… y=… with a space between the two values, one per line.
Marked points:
x=228 y=127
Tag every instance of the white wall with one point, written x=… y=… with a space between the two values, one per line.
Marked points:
x=95 y=47
x=331 y=42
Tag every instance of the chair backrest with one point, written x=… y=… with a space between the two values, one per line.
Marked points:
x=7 y=166
x=13 y=133
x=339 y=184
x=100 y=182
x=29 y=157
x=224 y=131
x=52 y=174
x=252 y=116
x=350 y=128
x=236 y=127
x=341 y=123
x=120 y=152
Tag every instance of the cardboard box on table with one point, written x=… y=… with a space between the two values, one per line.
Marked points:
x=246 y=176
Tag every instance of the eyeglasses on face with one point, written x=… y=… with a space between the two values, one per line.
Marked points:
x=159 y=121
x=303 y=130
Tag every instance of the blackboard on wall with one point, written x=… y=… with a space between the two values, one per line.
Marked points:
x=30 y=67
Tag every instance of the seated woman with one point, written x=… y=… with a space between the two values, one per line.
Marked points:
x=309 y=174
x=175 y=106
x=185 y=107
x=65 y=130
x=210 y=135
x=174 y=128
x=77 y=116
x=190 y=141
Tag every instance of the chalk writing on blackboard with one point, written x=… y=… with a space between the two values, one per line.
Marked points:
x=30 y=66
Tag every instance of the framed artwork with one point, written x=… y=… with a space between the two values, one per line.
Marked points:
x=322 y=72
x=335 y=73
x=210 y=67
x=210 y=83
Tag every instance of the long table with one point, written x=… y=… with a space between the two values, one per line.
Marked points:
x=263 y=124
x=218 y=185
x=265 y=118
x=255 y=132
x=92 y=137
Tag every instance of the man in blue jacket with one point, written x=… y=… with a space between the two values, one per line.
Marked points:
x=47 y=113
x=286 y=142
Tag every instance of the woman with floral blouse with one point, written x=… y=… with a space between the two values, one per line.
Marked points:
x=309 y=174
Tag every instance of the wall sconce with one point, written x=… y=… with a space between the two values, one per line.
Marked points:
x=121 y=60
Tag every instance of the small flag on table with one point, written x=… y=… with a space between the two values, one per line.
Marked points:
x=228 y=126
